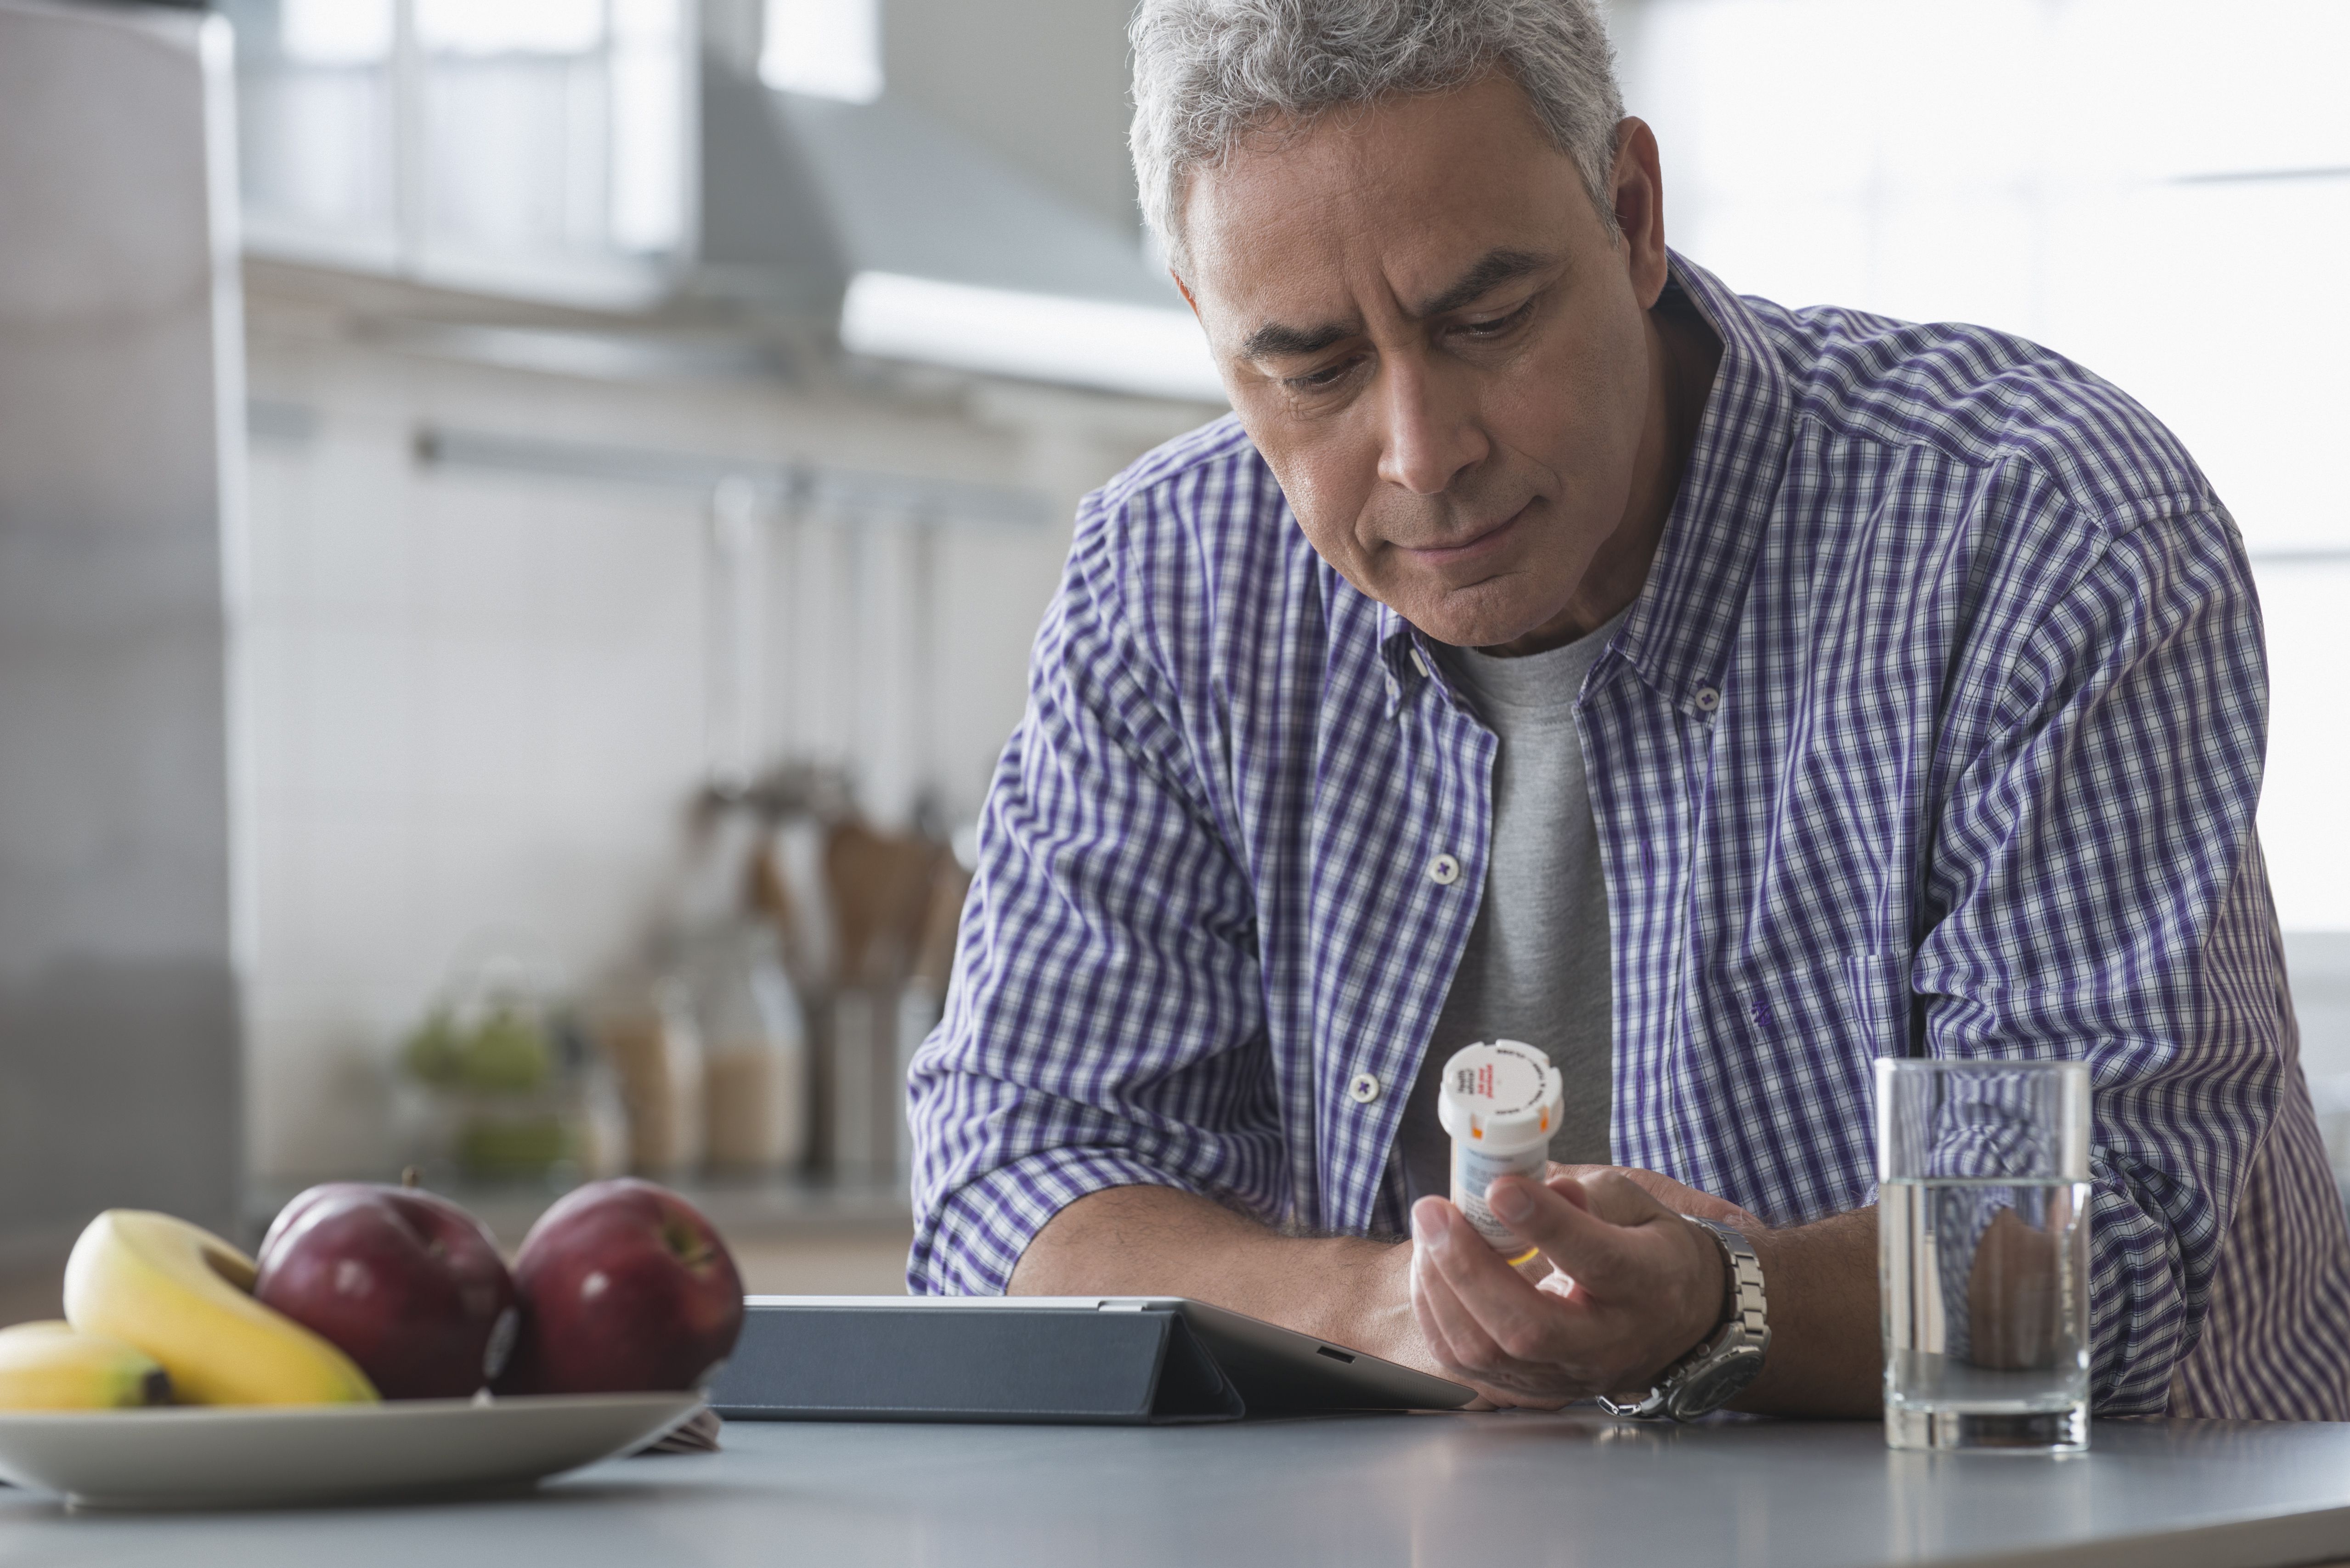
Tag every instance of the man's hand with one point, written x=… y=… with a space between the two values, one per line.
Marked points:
x=1636 y=1287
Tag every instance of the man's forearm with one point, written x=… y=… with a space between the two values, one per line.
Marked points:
x=1826 y=1357
x=1157 y=1240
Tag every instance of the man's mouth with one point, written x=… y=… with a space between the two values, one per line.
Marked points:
x=1484 y=542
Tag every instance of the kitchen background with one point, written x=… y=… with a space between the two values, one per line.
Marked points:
x=656 y=424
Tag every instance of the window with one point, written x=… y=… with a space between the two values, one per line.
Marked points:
x=2160 y=188
x=828 y=49
x=538 y=147
x=315 y=112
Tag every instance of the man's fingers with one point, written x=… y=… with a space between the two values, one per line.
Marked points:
x=1563 y=1182
x=1529 y=1326
x=1618 y=1198
x=1676 y=1195
x=1456 y=1338
x=1452 y=1331
x=1582 y=1240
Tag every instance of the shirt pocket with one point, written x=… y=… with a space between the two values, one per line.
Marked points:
x=1857 y=1006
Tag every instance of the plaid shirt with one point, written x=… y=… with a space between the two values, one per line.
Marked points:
x=1937 y=728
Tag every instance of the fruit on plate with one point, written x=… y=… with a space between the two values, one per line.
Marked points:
x=52 y=1366
x=404 y=1281
x=183 y=1296
x=626 y=1288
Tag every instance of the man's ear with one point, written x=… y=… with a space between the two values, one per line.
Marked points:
x=1185 y=290
x=1638 y=198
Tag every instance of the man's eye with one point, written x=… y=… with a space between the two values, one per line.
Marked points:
x=1315 y=380
x=1498 y=324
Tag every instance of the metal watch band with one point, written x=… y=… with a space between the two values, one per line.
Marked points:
x=1710 y=1376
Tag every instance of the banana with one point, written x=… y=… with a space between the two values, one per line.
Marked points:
x=49 y=1366
x=183 y=1297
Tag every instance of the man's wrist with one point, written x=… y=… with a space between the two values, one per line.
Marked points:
x=1723 y=1297
x=1369 y=1304
x=1730 y=1354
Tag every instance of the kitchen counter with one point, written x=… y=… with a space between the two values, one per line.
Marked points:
x=1507 y=1490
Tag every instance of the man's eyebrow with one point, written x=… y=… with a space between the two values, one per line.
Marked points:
x=1276 y=341
x=1492 y=269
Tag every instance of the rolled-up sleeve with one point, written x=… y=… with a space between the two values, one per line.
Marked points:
x=1105 y=1023
x=2097 y=892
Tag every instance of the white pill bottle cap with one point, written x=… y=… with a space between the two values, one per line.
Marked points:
x=1501 y=1099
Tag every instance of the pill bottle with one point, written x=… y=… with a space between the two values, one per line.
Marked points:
x=1499 y=1104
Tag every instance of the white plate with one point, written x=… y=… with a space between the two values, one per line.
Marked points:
x=189 y=1456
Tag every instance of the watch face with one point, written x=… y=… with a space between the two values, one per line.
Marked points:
x=1711 y=1386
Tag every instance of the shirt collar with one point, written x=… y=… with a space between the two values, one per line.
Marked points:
x=1679 y=634
x=1680 y=627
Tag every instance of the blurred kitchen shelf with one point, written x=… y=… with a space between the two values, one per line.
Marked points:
x=742 y=1211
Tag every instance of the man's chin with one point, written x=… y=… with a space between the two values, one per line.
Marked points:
x=1486 y=626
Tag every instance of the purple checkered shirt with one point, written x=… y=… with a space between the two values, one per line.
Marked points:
x=1937 y=729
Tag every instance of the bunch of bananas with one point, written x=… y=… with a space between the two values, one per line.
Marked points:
x=158 y=1310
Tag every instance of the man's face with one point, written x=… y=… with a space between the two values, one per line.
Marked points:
x=1436 y=344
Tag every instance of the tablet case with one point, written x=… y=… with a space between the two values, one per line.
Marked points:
x=1007 y=1364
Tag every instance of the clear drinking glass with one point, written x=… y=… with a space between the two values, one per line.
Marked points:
x=1983 y=1254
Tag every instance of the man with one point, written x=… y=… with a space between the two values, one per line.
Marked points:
x=1555 y=645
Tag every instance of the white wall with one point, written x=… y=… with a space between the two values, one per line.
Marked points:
x=478 y=701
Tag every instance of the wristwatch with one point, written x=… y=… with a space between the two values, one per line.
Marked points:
x=1709 y=1377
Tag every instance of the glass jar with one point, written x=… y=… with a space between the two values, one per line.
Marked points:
x=756 y=1094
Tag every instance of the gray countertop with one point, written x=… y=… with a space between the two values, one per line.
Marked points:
x=1498 y=1491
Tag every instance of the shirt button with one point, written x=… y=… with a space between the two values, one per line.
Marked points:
x=1421 y=664
x=1444 y=870
x=1364 y=1089
x=1708 y=699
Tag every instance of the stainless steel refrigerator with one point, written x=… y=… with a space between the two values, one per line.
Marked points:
x=120 y=426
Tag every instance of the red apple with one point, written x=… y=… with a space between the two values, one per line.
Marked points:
x=625 y=1287
x=404 y=1281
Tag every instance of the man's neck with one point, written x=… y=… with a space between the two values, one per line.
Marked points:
x=1683 y=354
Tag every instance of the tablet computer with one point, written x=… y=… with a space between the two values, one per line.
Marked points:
x=1045 y=1358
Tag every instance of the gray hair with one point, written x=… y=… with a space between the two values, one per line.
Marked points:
x=1209 y=72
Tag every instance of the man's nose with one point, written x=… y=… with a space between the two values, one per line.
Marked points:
x=1431 y=432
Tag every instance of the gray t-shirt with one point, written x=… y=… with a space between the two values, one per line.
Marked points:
x=1536 y=965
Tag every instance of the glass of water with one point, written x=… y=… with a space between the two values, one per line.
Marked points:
x=1983 y=1254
